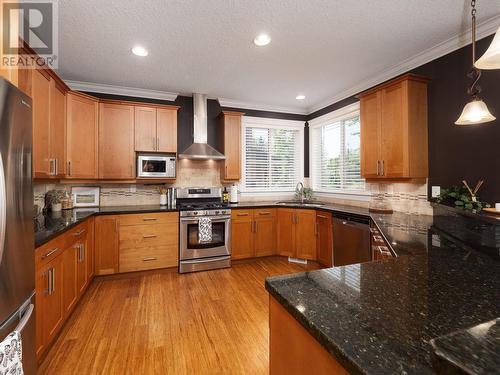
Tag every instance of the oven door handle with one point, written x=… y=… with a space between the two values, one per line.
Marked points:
x=205 y=260
x=215 y=219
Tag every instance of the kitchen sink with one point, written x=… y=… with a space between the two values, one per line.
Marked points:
x=304 y=203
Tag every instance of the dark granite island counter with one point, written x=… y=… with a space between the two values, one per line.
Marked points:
x=379 y=317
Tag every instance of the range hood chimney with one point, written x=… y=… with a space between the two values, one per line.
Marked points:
x=200 y=150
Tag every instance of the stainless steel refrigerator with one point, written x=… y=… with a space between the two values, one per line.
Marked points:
x=17 y=253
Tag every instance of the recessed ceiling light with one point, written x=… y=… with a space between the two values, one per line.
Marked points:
x=300 y=97
x=140 y=51
x=262 y=40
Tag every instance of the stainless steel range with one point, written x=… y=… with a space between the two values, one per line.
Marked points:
x=197 y=253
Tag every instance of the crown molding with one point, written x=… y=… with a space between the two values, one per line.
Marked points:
x=231 y=103
x=121 y=90
x=484 y=29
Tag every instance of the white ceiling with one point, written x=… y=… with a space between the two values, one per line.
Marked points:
x=324 y=49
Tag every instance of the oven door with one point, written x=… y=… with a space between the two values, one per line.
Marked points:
x=192 y=248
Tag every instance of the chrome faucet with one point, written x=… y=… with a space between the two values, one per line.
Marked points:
x=300 y=191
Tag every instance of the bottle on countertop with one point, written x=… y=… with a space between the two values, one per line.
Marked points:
x=225 y=195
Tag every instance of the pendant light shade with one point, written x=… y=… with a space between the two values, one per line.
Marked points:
x=491 y=58
x=475 y=112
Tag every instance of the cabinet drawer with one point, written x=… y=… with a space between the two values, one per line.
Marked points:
x=75 y=234
x=147 y=258
x=148 y=235
x=263 y=212
x=151 y=218
x=49 y=251
x=241 y=215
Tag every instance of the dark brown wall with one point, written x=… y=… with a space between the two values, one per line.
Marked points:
x=458 y=152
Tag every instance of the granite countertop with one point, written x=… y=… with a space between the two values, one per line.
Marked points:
x=50 y=225
x=473 y=350
x=380 y=317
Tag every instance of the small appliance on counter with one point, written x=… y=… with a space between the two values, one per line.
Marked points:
x=234 y=194
x=156 y=165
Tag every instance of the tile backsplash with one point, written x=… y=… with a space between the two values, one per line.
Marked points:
x=409 y=198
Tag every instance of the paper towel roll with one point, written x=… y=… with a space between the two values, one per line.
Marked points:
x=233 y=194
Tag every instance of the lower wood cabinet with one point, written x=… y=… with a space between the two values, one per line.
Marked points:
x=253 y=233
x=61 y=279
x=325 y=238
x=136 y=242
x=297 y=233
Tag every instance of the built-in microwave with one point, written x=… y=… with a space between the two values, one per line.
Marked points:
x=156 y=165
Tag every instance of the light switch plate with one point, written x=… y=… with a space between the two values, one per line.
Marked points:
x=435 y=191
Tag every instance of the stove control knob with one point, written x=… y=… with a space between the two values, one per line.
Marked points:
x=217 y=212
x=195 y=213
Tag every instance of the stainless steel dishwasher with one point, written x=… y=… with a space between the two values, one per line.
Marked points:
x=351 y=239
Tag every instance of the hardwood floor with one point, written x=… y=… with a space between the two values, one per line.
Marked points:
x=161 y=322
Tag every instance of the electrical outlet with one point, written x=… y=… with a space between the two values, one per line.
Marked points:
x=435 y=191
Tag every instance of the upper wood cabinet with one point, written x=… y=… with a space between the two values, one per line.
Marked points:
x=230 y=131
x=57 y=127
x=81 y=139
x=116 y=141
x=394 y=140
x=156 y=129
x=40 y=94
x=9 y=73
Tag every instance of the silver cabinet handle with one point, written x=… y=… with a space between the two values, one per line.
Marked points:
x=56 y=166
x=242 y=214
x=46 y=255
x=383 y=168
x=52 y=167
x=322 y=216
x=149 y=236
x=265 y=213
x=79 y=233
x=149 y=219
x=378 y=167
x=149 y=259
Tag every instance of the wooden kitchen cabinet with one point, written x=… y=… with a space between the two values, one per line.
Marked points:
x=69 y=265
x=90 y=255
x=116 y=141
x=394 y=139
x=166 y=128
x=40 y=88
x=230 y=130
x=242 y=235
x=106 y=244
x=265 y=232
x=253 y=233
x=286 y=231
x=297 y=233
x=156 y=129
x=57 y=140
x=325 y=238
x=81 y=138
x=49 y=301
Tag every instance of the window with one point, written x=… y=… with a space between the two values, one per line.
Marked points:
x=272 y=154
x=335 y=152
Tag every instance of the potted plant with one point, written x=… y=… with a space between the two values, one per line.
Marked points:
x=53 y=200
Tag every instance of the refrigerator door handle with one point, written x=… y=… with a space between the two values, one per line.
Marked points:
x=3 y=209
x=25 y=318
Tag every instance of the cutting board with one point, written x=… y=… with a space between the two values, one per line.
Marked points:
x=491 y=211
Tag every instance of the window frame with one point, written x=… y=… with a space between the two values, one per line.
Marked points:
x=338 y=115
x=270 y=123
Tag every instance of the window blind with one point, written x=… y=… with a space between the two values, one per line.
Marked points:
x=271 y=159
x=335 y=153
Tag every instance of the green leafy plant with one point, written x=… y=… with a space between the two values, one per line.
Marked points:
x=459 y=196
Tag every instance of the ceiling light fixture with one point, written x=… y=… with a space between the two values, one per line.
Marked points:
x=491 y=58
x=140 y=51
x=300 y=97
x=475 y=111
x=262 y=40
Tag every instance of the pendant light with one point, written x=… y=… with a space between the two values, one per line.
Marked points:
x=475 y=111
x=491 y=58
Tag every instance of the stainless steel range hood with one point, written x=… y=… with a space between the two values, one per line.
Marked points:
x=200 y=150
